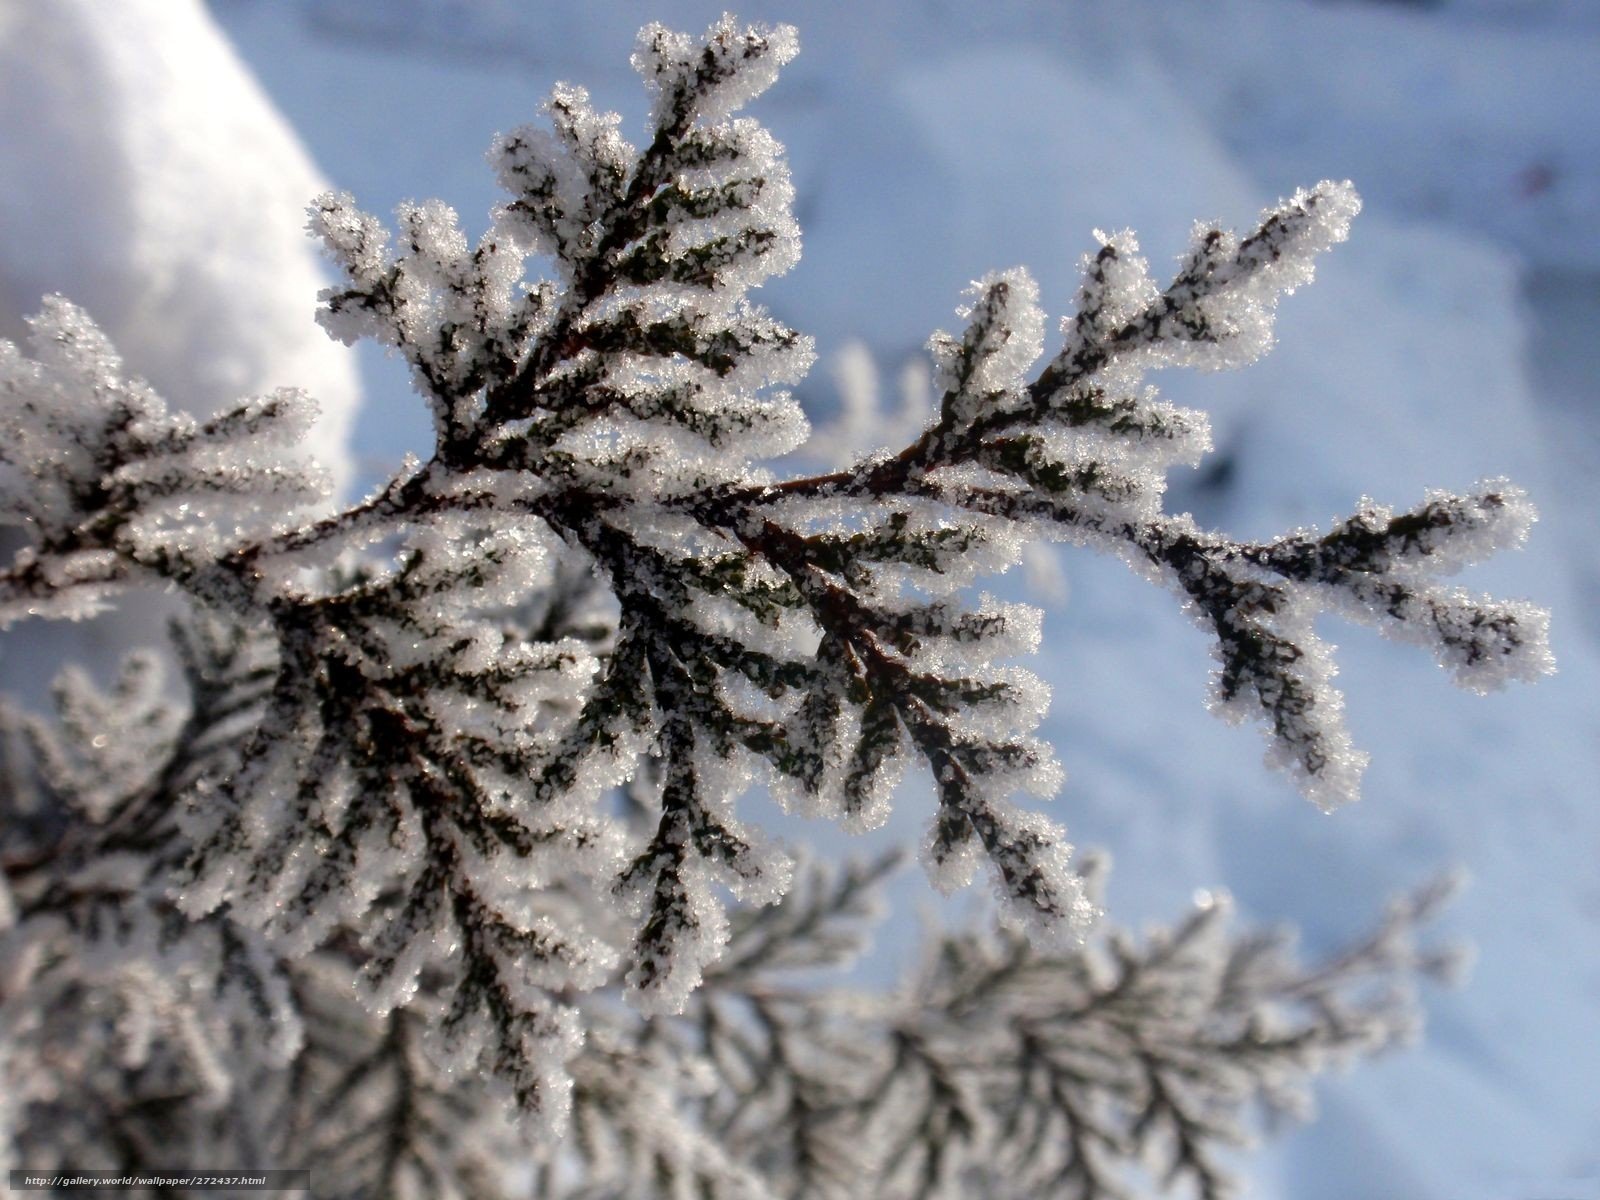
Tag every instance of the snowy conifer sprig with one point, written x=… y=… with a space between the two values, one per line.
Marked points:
x=110 y=487
x=428 y=779
x=1095 y=1073
x=130 y=1029
x=1079 y=452
x=135 y=1033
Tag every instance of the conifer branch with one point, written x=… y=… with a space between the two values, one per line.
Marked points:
x=476 y=744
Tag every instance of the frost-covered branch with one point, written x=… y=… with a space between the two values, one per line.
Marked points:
x=495 y=721
x=134 y=1031
x=998 y=1070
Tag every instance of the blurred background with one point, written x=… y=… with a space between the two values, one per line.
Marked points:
x=156 y=155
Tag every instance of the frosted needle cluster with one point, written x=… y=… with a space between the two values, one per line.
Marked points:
x=463 y=758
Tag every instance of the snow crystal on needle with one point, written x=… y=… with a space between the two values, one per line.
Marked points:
x=715 y=75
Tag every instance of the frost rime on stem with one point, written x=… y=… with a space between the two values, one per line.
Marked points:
x=425 y=784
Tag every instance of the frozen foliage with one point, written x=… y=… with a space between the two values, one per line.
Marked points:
x=1004 y=1071
x=462 y=762
x=105 y=481
x=135 y=1034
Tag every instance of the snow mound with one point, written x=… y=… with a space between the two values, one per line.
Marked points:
x=146 y=176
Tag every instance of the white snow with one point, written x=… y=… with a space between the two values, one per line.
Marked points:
x=146 y=176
